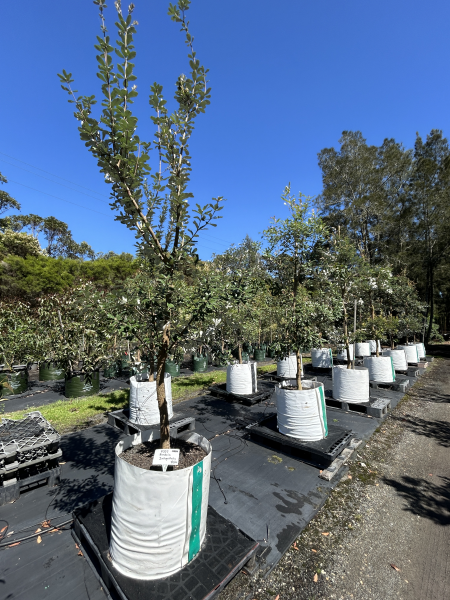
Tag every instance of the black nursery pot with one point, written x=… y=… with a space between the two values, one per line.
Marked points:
x=80 y=385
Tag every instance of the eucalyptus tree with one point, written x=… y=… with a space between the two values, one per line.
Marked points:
x=7 y=202
x=158 y=210
x=364 y=187
x=291 y=246
x=430 y=228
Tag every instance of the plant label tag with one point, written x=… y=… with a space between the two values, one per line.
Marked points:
x=167 y=457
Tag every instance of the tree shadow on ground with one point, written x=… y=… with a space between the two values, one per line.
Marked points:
x=438 y=430
x=72 y=493
x=424 y=497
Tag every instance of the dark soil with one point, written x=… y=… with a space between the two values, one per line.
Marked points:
x=142 y=455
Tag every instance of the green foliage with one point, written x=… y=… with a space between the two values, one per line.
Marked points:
x=18 y=244
x=6 y=201
x=32 y=277
x=19 y=342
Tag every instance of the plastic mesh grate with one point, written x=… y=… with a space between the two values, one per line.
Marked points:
x=29 y=437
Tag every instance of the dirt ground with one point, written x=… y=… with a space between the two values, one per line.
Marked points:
x=384 y=532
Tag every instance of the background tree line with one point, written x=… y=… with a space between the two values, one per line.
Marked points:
x=394 y=203
x=29 y=269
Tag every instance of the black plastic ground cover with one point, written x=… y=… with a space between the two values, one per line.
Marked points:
x=120 y=419
x=220 y=391
x=272 y=376
x=320 y=453
x=225 y=551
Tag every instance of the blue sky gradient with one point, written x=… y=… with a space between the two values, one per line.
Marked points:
x=287 y=78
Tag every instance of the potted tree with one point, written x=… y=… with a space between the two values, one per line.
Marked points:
x=167 y=231
x=307 y=305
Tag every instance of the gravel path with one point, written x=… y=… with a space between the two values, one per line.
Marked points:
x=384 y=532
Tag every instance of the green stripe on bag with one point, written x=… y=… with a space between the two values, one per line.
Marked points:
x=324 y=409
x=331 y=356
x=197 y=493
x=393 y=370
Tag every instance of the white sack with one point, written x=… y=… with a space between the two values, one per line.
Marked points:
x=420 y=350
x=373 y=346
x=412 y=354
x=398 y=358
x=144 y=403
x=242 y=379
x=302 y=413
x=351 y=385
x=322 y=358
x=158 y=521
x=362 y=349
x=381 y=368
x=342 y=353
x=288 y=366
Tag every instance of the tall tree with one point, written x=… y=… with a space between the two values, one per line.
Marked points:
x=361 y=187
x=430 y=227
x=166 y=227
x=6 y=201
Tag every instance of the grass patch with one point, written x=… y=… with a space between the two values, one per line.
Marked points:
x=67 y=415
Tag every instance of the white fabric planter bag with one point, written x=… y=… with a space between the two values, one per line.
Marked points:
x=342 y=353
x=158 y=520
x=322 y=358
x=420 y=350
x=373 y=346
x=381 y=368
x=398 y=358
x=144 y=403
x=302 y=413
x=412 y=354
x=351 y=385
x=242 y=379
x=362 y=349
x=288 y=366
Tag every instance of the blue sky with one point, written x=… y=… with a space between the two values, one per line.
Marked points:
x=287 y=78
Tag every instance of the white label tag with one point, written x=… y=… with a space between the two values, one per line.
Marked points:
x=167 y=457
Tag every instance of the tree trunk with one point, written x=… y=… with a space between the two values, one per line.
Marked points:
x=376 y=347
x=240 y=353
x=161 y=390
x=430 y=324
x=299 y=371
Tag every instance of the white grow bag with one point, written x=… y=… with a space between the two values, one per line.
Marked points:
x=412 y=353
x=342 y=353
x=302 y=413
x=144 y=403
x=373 y=346
x=351 y=385
x=398 y=358
x=362 y=349
x=242 y=379
x=322 y=358
x=420 y=350
x=288 y=366
x=158 y=521
x=381 y=368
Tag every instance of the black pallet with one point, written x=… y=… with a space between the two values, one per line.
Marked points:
x=119 y=419
x=320 y=453
x=396 y=386
x=272 y=376
x=10 y=491
x=225 y=551
x=220 y=391
x=25 y=440
x=376 y=407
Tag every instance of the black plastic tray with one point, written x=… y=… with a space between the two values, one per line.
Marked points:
x=225 y=551
x=320 y=453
